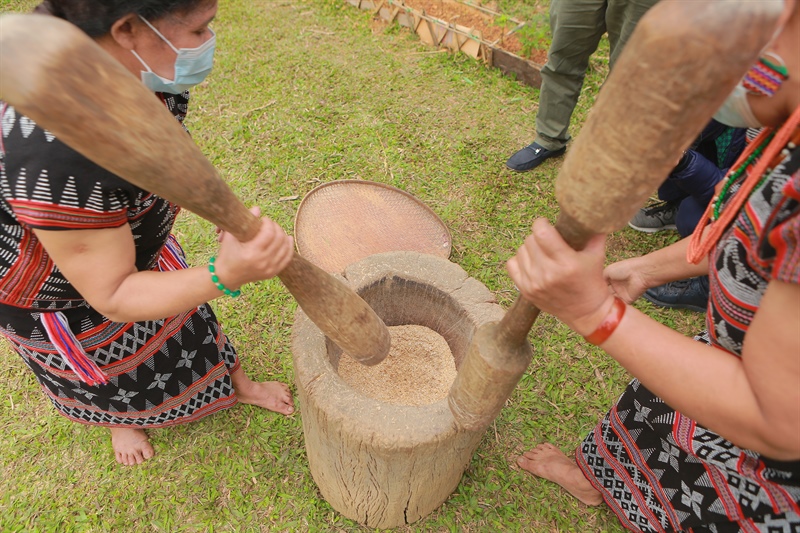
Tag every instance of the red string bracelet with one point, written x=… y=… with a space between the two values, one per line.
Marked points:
x=609 y=323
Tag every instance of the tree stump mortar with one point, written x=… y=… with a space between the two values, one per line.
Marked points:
x=380 y=464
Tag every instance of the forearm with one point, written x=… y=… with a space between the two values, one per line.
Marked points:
x=151 y=295
x=100 y=264
x=753 y=401
x=704 y=383
x=669 y=264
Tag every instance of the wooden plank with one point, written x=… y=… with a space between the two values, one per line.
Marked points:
x=525 y=71
x=472 y=47
x=407 y=19
x=426 y=32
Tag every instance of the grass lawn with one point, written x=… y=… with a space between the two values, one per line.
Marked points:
x=303 y=93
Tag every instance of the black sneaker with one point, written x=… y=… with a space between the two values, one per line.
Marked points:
x=657 y=217
x=531 y=157
x=689 y=294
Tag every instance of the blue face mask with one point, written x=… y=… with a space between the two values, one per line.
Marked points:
x=192 y=65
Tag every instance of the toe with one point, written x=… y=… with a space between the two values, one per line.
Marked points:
x=530 y=454
x=286 y=407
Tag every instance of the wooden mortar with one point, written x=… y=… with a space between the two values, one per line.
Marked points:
x=381 y=464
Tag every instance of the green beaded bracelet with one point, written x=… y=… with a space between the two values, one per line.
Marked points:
x=213 y=270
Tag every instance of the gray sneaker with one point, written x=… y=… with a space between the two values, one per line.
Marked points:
x=657 y=217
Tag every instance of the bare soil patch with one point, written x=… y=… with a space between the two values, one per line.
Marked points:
x=491 y=32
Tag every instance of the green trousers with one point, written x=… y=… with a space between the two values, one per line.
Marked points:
x=577 y=26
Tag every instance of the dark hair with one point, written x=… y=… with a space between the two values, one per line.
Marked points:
x=95 y=17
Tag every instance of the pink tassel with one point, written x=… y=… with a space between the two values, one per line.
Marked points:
x=71 y=350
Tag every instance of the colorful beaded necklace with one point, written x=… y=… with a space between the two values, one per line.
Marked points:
x=758 y=160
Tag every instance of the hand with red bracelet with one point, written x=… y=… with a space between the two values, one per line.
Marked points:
x=558 y=280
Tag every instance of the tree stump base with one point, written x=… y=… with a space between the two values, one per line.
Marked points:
x=381 y=464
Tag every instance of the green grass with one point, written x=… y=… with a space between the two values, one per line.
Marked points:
x=304 y=93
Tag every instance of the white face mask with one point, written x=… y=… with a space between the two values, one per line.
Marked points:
x=192 y=65
x=736 y=111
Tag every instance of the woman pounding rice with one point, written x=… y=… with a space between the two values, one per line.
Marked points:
x=707 y=435
x=95 y=294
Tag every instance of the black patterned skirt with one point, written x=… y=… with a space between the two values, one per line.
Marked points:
x=660 y=471
x=159 y=373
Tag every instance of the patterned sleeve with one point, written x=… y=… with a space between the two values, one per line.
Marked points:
x=50 y=186
x=785 y=236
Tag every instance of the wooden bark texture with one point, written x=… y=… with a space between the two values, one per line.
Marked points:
x=380 y=464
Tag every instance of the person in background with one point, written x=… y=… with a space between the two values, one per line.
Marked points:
x=576 y=26
x=707 y=435
x=95 y=293
x=684 y=196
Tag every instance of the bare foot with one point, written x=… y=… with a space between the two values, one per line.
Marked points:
x=549 y=462
x=131 y=446
x=272 y=395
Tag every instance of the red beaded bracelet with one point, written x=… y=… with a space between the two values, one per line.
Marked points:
x=609 y=323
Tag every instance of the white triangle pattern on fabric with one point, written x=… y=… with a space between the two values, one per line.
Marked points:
x=95 y=201
x=41 y=190
x=27 y=126
x=49 y=136
x=69 y=196
x=36 y=335
x=717 y=507
x=116 y=205
x=666 y=418
x=9 y=119
x=5 y=187
x=21 y=190
x=704 y=481
x=647 y=452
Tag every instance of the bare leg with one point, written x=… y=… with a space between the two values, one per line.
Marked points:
x=272 y=395
x=131 y=446
x=549 y=462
